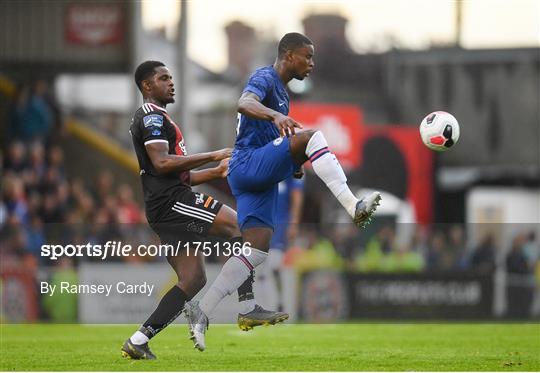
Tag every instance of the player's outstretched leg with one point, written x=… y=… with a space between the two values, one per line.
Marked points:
x=252 y=316
x=234 y=273
x=193 y=279
x=312 y=145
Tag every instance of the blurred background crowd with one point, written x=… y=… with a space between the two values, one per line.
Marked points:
x=42 y=204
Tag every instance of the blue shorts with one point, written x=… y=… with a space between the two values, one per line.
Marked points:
x=254 y=182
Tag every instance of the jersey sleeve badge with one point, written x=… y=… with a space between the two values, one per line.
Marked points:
x=153 y=120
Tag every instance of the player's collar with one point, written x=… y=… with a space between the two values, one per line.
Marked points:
x=151 y=106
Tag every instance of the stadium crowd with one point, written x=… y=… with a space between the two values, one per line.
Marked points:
x=41 y=204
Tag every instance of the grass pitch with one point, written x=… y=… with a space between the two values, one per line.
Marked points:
x=343 y=347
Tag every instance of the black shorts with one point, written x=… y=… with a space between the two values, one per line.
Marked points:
x=187 y=215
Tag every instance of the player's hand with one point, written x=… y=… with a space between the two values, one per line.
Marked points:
x=286 y=125
x=223 y=168
x=221 y=154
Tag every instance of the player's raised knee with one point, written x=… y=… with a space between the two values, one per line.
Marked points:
x=306 y=135
x=299 y=143
x=316 y=142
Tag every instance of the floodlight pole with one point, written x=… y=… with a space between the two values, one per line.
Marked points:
x=458 y=22
x=181 y=59
x=136 y=50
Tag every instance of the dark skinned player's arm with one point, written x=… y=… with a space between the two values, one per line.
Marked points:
x=203 y=176
x=249 y=104
x=164 y=163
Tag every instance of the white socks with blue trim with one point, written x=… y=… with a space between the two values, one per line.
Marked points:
x=233 y=274
x=328 y=169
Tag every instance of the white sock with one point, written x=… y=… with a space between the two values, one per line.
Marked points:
x=246 y=306
x=139 y=338
x=328 y=169
x=233 y=274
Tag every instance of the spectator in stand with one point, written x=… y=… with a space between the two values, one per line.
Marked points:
x=519 y=289
x=55 y=159
x=483 y=257
x=436 y=252
x=51 y=211
x=16 y=115
x=531 y=249
x=86 y=207
x=16 y=158
x=35 y=236
x=419 y=242
x=36 y=168
x=128 y=212
x=49 y=183
x=14 y=198
x=33 y=117
x=346 y=241
x=37 y=159
x=456 y=246
x=42 y=87
x=103 y=187
x=13 y=242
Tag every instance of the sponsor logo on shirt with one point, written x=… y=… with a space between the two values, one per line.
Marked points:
x=153 y=120
x=278 y=141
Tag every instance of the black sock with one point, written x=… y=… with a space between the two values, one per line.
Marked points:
x=168 y=309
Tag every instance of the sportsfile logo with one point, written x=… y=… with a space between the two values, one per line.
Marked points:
x=118 y=249
x=110 y=249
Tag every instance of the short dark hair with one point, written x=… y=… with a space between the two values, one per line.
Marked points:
x=292 y=41
x=145 y=70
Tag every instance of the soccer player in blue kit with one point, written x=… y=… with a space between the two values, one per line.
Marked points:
x=267 y=151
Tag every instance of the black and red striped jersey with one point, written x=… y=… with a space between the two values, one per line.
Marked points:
x=151 y=124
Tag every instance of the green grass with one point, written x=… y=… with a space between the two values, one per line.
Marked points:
x=344 y=347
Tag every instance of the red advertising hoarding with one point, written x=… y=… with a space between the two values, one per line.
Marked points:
x=341 y=125
x=94 y=24
x=348 y=137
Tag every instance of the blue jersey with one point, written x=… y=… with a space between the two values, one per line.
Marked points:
x=253 y=133
x=261 y=158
